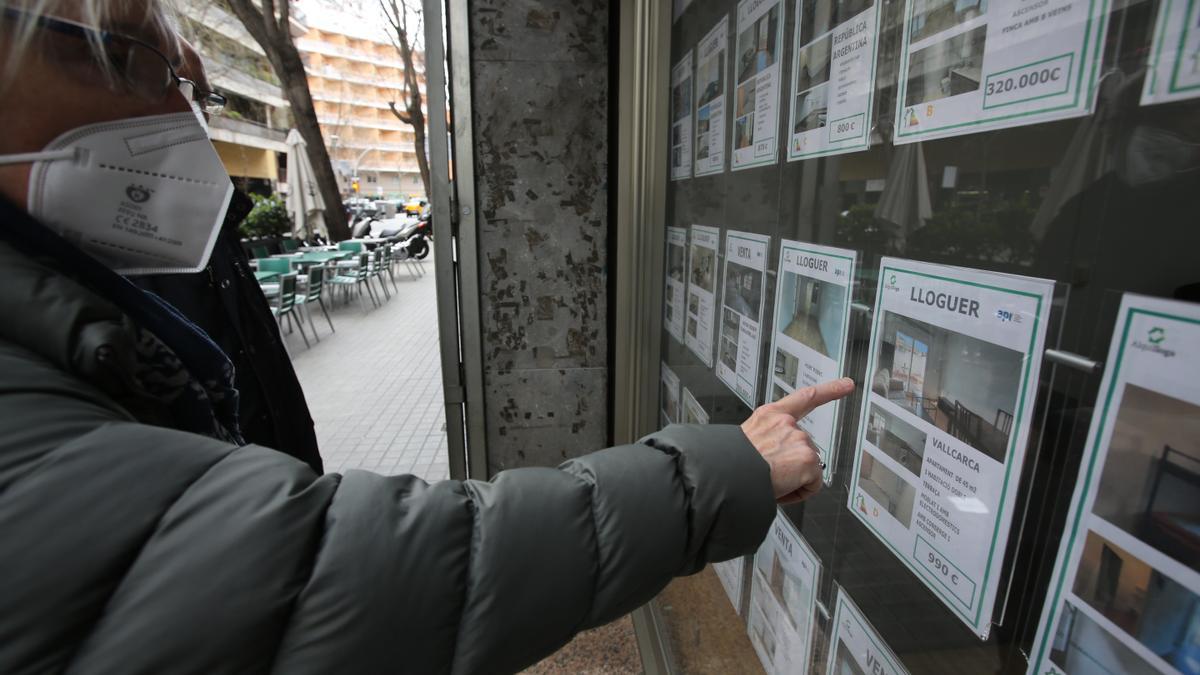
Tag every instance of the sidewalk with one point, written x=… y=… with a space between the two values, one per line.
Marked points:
x=374 y=387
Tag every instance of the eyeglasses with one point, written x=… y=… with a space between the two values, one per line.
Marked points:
x=143 y=69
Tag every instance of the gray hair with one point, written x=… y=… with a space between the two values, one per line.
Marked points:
x=95 y=14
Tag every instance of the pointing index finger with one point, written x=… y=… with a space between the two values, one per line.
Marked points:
x=802 y=401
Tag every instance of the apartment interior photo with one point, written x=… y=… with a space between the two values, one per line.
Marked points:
x=964 y=386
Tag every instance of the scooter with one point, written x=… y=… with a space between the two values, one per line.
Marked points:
x=413 y=238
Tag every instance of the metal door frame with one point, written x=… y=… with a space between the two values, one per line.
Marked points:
x=455 y=236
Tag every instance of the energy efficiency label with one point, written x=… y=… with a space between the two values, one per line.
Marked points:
x=808 y=345
x=712 y=59
x=856 y=647
x=833 y=77
x=1174 y=70
x=741 y=313
x=681 y=119
x=676 y=283
x=701 y=291
x=669 y=396
x=757 y=88
x=977 y=65
x=783 y=600
x=1125 y=593
x=952 y=373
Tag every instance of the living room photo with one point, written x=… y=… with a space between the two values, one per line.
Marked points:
x=964 y=386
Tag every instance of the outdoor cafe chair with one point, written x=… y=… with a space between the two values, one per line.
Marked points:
x=375 y=271
x=355 y=277
x=260 y=251
x=280 y=265
x=285 y=305
x=313 y=294
x=389 y=264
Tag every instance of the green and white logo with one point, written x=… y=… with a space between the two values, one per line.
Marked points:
x=1156 y=335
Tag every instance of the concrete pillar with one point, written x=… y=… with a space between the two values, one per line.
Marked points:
x=540 y=87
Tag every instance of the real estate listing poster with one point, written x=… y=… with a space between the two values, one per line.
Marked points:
x=693 y=412
x=808 y=345
x=712 y=58
x=1125 y=593
x=976 y=65
x=681 y=119
x=674 y=291
x=833 y=77
x=756 y=93
x=783 y=600
x=952 y=373
x=729 y=573
x=741 y=313
x=669 y=396
x=1174 y=71
x=701 y=291
x=856 y=649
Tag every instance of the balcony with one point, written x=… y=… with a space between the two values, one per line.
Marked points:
x=327 y=49
x=245 y=132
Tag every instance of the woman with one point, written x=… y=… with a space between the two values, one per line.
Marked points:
x=141 y=535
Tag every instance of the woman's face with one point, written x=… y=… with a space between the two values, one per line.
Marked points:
x=59 y=87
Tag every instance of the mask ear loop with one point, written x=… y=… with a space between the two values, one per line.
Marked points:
x=45 y=156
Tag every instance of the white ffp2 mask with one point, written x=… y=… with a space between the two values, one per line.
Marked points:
x=145 y=195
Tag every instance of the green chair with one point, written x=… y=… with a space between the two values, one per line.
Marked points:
x=280 y=265
x=259 y=251
x=375 y=271
x=312 y=293
x=285 y=305
x=389 y=264
x=356 y=276
x=290 y=246
x=356 y=246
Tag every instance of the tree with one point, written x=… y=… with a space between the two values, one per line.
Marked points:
x=269 y=25
x=399 y=13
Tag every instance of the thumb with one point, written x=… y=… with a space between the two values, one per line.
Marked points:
x=802 y=401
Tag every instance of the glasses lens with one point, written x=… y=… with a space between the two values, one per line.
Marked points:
x=146 y=72
x=213 y=104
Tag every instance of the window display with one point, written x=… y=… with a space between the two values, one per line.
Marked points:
x=701 y=291
x=954 y=356
x=812 y=316
x=1175 y=53
x=756 y=91
x=741 y=313
x=950 y=471
x=681 y=119
x=669 y=396
x=693 y=412
x=971 y=65
x=783 y=600
x=673 y=313
x=711 y=64
x=856 y=649
x=833 y=77
x=1125 y=595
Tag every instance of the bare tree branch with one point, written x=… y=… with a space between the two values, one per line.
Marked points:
x=412 y=114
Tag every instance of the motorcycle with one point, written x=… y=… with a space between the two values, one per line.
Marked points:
x=413 y=238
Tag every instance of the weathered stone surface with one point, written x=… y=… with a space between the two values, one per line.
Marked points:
x=540 y=30
x=540 y=89
x=545 y=417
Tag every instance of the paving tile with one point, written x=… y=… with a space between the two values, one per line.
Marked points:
x=375 y=386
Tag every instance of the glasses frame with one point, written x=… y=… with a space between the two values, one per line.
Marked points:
x=210 y=102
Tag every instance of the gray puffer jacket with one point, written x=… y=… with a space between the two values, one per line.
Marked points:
x=127 y=546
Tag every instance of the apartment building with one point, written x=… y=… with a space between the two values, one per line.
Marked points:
x=250 y=136
x=354 y=72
